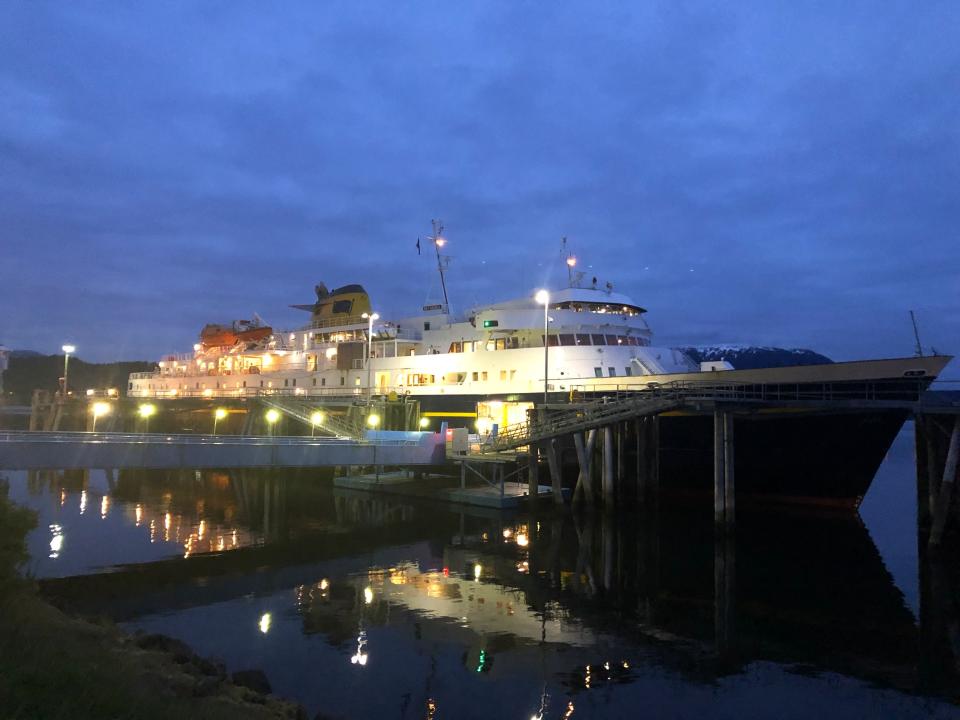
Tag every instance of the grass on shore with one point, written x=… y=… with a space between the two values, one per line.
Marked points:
x=53 y=666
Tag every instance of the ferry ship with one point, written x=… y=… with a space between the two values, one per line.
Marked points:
x=491 y=365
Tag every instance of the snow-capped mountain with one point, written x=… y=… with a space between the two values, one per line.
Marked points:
x=744 y=357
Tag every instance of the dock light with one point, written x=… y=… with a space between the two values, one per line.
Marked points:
x=477 y=570
x=373 y=420
x=316 y=418
x=146 y=411
x=424 y=422
x=522 y=539
x=218 y=415
x=368 y=595
x=68 y=350
x=99 y=409
x=264 y=623
x=543 y=297
x=272 y=416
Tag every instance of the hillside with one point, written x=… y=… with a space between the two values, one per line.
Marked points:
x=750 y=358
x=30 y=371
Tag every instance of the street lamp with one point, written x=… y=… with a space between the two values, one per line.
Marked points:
x=272 y=416
x=218 y=415
x=146 y=411
x=543 y=297
x=373 y=420
x=67 y=350
x=370 y=317
x=98 y=410
x=315 y=419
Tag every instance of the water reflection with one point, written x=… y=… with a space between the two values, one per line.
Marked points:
x=565 y=615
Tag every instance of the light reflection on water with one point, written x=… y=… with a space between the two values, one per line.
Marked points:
x=365 y=607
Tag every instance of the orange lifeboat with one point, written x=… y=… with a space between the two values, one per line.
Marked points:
x=240 y=331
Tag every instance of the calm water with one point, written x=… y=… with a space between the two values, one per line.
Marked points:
x=364 y=607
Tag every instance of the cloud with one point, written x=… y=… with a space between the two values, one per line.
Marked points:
x=757 y=173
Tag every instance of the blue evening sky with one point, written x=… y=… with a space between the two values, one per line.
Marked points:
x=760 y=172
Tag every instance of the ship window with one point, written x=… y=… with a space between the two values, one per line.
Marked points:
x=476 y=376
x=356 y=382
x=426 y=326
x=342 y=307
x=261 y=383
x=294 y=382
x=612 y=372
x=514 y=342
x=598 y=340
x=583 y=339
x=598 y=371
x=323 y=382
x=567 y=339
x=628 y=371
x=491 y=345
x=286 y=382
x=343 y=380
x=552 y=339
x=612 y=340
x=513 y=374
x=244 y=383
x=483 y=376
x=501 y=344
x=503 y=375
x=456 y=347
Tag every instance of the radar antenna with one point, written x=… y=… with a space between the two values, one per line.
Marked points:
x=438 y=242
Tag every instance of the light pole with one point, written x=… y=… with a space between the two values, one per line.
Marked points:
x=67 y=349
x=543 y=297
x=370 y=318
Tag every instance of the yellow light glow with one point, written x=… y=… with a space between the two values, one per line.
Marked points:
x=104 y=506
x=507 y=532
x=542 y=297
x=264 y=623
x=324 y=584
x=440 y=242
x=99 y=409
x=477 y=570
x=90 y=392
x=267 y=359
x=373 y=420
x=317 y=418
x=424 y=422
x=484 y=425
x=68 y=349
x=368 y=595
x=571 y=261
x=220 y=413
x=272 y=416
x=331 y=353
x=522 y=540
x=146 y=410
x=207 y=392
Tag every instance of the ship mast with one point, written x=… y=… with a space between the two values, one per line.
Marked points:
x=439 y=242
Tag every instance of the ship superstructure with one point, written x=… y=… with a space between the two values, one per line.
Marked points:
x=489 y=352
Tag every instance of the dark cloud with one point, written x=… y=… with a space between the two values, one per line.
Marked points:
x=763 y=172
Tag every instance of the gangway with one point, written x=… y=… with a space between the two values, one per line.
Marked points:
x=306 y=413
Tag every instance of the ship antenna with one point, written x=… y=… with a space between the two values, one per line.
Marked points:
x=439 y=242
x=916 y=335
x=573 y=276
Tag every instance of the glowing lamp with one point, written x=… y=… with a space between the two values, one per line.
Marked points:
x=424 y=422
x=272 y=416
x=146 y=410
x=542 y=297
x=317 y=418
x=373 y=420
x=220 y=413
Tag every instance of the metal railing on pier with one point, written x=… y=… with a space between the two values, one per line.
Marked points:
x=603 y=406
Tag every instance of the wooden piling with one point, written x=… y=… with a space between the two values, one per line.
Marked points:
x=608 y=481
x=945 y=496
x=533 y=474
x=723 y=464
x=553 y=460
